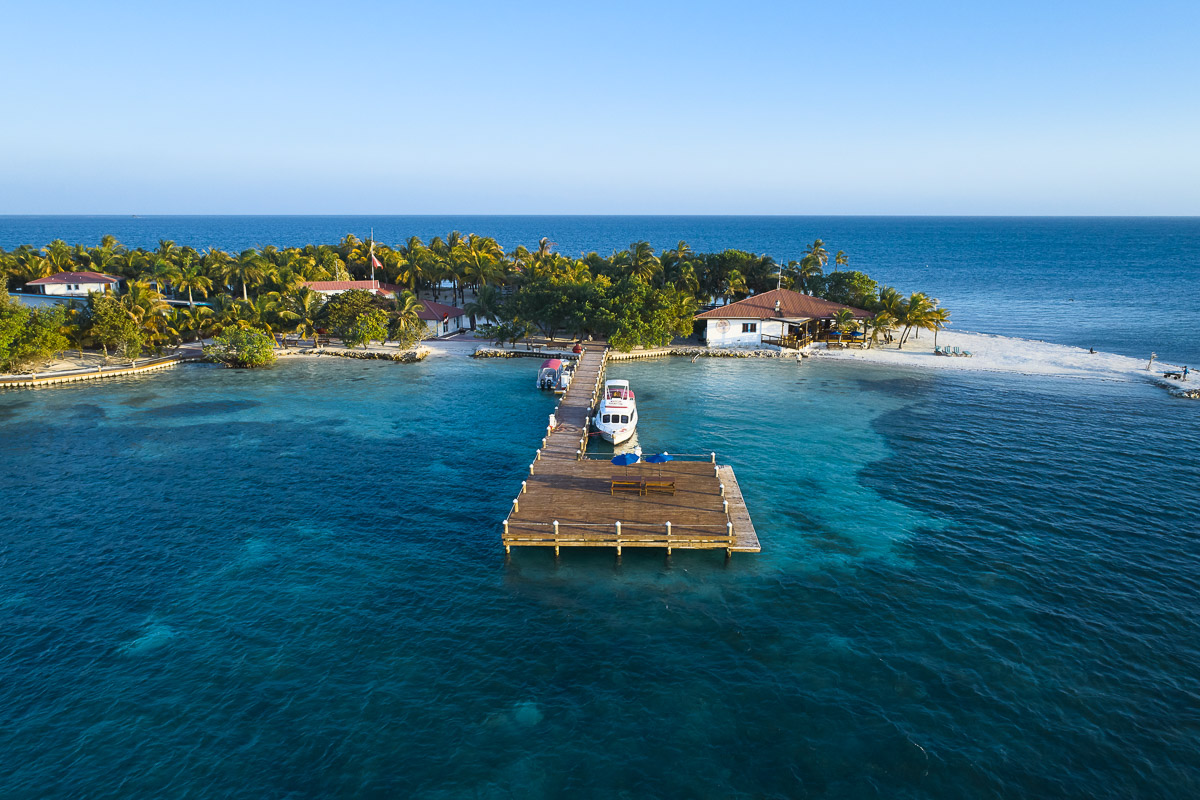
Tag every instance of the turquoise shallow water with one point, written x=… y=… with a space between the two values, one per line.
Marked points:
x=288 y=583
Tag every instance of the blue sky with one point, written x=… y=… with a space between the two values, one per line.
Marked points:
x=706 y=108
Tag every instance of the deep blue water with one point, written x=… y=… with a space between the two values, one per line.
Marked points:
x=288 y=583
x=1125 y=285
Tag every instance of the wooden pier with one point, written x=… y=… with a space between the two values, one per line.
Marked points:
x=569 y=499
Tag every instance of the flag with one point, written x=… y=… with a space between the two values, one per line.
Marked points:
x=375 y=262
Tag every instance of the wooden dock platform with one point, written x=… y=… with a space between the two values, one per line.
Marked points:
x=568 y=499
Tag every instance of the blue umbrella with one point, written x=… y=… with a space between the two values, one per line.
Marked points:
x=658 y=458
x=625 y=459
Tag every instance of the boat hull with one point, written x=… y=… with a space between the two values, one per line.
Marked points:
x=618 y=435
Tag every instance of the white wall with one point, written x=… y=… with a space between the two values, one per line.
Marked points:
x=452 y=325
x=717 y=335
x=70 y=290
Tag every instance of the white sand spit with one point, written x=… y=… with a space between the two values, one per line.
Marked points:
x=1007 y=354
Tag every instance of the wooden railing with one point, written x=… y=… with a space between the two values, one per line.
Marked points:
x=788 y=342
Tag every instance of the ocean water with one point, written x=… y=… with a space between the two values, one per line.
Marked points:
x=1122 y=285
x=289 y=583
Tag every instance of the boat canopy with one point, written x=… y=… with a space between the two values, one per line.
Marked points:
x=552 y=363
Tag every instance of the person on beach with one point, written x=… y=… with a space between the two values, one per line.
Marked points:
x=1092 y=350
x=1151 y=364
x=1185 y=374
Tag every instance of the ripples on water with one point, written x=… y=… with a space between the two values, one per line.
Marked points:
x=289 y=582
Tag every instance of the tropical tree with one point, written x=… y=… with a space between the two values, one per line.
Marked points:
x=917 y=313
x=407 y=328
x=242 y=348
x=249 y=267
x=191 y=276
x=879 y=326
x=306 y=305
x=639 y=261
x=266 y=312
x=845 y=322
x=487 y=303
x=940 y=317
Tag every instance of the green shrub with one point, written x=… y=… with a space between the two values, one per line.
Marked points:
x=239 y=347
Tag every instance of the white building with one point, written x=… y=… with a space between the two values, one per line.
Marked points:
x=778 y=314
x=75 y=284
x=443 y=320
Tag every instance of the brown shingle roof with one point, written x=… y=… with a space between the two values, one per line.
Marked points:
x=75 y=277
x=434 y=311
x=792 y=305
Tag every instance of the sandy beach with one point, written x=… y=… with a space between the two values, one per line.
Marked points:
x=1009 y=354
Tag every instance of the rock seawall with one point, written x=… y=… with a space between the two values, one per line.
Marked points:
x=401 y=357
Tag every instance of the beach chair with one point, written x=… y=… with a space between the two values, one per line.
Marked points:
x=967 y=353
x=938 y=351
x=956 y=352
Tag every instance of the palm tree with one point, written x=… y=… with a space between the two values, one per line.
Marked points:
x=733 y=284
x=167 y=250
x=486 y=304
x=407 y=319
x=306 y=305
x=940 y=317
x=191 y=277
x=879 y=325
x=917 y=313
x=59 y=256
x=639 y=260
x=195 y=320
x=249 y=267
x=163 y=273
x=845 y=322
x=816 y=254
x=216 y=264
x=266 y=312
x=841 y=259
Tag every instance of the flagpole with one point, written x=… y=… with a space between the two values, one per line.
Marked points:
x=372 y=252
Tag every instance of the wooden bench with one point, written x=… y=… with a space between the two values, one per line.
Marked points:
x=621 y=483
x=663 y=487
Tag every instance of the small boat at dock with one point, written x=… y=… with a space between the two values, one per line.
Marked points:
x=616 y=419
x=555 y=374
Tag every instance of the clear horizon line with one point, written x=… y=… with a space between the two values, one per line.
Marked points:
x=647 y=216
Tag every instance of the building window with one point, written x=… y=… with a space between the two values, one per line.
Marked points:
x=749 y=327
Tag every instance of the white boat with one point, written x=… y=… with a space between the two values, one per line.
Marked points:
x=550 y=373
x=617 y=418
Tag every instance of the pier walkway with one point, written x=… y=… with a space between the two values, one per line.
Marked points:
x=568 y=498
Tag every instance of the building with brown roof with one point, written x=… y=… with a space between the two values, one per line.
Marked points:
x=75 y=284
x=776 y=315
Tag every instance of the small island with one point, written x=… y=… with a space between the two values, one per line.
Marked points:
x=121 y=303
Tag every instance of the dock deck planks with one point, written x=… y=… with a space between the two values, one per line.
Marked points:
x=575 y=491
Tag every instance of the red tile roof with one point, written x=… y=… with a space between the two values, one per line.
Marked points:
x=792 y=305
x=75 y=277
x=434 y=311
